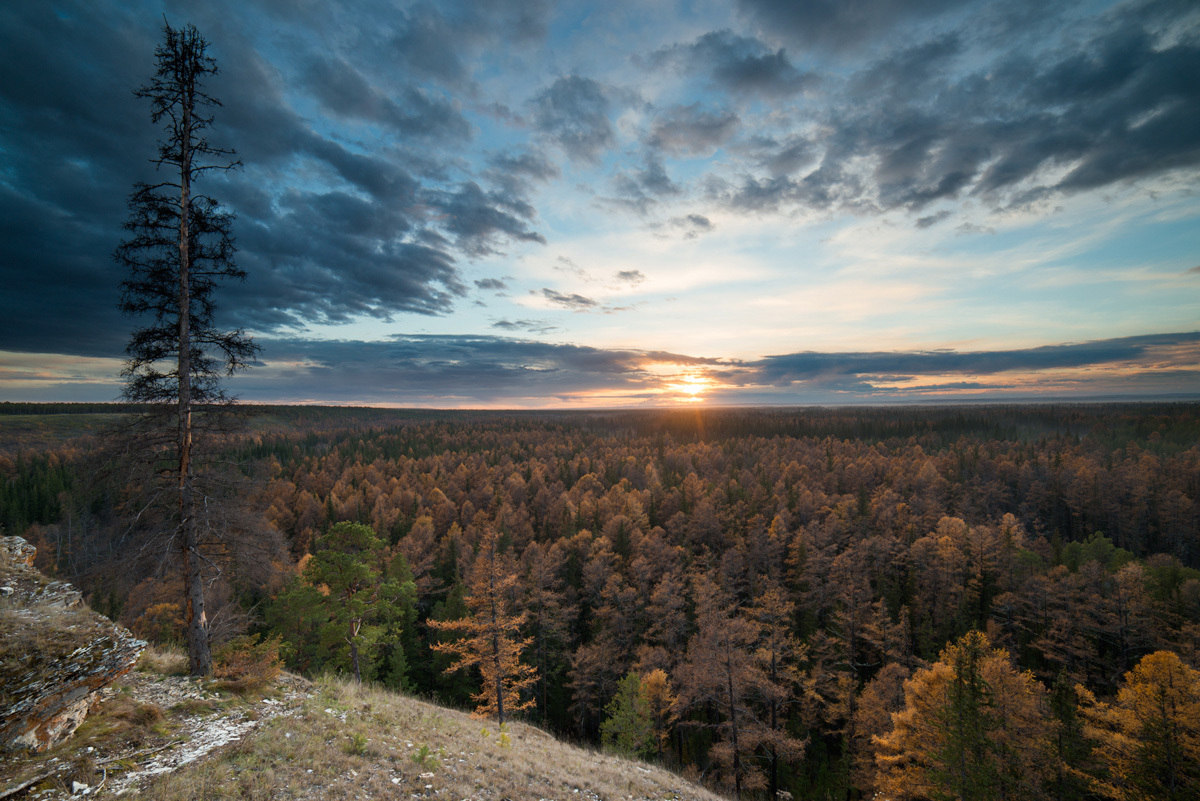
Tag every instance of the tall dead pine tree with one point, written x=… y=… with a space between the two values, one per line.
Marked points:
x=490 y=639
x=178 y=249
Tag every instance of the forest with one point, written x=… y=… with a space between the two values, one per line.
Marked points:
x=955 y=602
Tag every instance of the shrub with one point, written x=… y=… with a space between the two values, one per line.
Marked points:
x=247 y=662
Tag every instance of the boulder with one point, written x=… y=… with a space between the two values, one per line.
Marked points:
x=56 y=654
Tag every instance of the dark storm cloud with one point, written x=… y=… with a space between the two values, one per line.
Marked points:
x=480 y=220
x=66 y=139
x=965 y=112
x=328 y=227
x=424 y=40
x=839 y=367
x=343 y=90
x=837 y=25
x=303 y=268
x=737 y=64
x=574 y=113
x=530 y=166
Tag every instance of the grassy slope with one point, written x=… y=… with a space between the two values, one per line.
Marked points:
x=342 y=741
x=354 y=742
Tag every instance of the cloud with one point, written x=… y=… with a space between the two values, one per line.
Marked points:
x=516 y=172
x=692 y=225
x=382 y=152
x=833 y=26
x=964 y=111
x=425 y=40
x=569 y=301
x=563 y=264
x=692 y=130
x=484 y=370
x=573 y=112
x=1147 y=350
x=343 y=90
x=631 y=276
x=449 y=370
x=363 y=207
x=642 y=189
x=316 y=274
x=784 y=158
x=479 y=219
x=737 y=64
x=532 y=326
x=933 y=219
x=491 y=284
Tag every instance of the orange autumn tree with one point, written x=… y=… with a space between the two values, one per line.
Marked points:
x=738 y=665
x=973 y=728
x=720 y=674
x=1149 y=737
x=660 y=701
x=489 y=638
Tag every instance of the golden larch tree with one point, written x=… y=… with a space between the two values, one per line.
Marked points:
x=1149 y=737
x=490 y=637
x=972 y=728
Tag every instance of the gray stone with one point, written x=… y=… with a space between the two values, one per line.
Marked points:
x=56 y=654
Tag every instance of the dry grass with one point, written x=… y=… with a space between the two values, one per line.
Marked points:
x=165 y=661
x=357 y=742
x=341 y=741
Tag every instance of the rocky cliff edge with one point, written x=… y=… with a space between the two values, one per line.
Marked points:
x=56 y=654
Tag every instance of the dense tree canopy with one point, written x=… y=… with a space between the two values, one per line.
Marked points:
x=814 y=593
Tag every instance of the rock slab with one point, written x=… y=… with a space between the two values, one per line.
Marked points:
x=55 y=653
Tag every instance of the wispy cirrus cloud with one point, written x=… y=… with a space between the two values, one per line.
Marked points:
x=572 y=300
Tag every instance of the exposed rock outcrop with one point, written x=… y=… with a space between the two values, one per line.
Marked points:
x=55 y=653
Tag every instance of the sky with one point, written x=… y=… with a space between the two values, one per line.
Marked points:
x=538 y=204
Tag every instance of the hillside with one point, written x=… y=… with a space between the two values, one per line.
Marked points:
x=166 y=737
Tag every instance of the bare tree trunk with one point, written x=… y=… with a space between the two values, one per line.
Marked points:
x=496 y=643
x=354 y=659
x=199 y=653
x=737 y=759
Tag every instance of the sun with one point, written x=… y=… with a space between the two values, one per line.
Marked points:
x=692 y=387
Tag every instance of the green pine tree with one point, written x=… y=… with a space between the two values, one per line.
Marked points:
x=628 y=727
x=359 y=606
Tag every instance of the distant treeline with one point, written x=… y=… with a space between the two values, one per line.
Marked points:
x=9 y=407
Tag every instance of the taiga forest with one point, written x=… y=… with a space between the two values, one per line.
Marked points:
x=909 y=602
